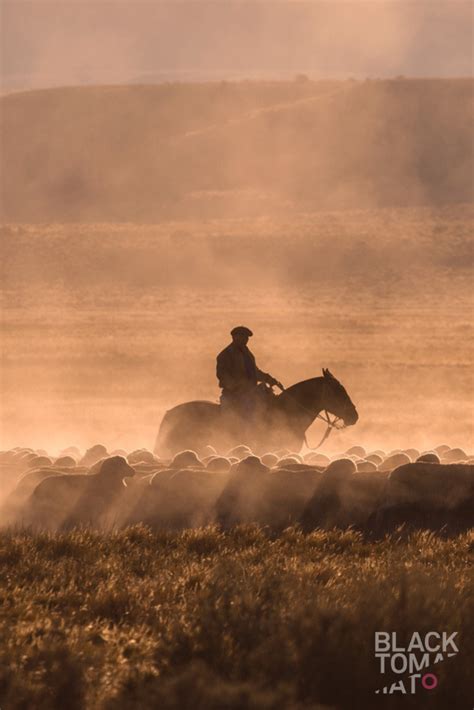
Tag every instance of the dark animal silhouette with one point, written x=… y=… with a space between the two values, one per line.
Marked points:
x=281 y=423
x=272 y=497
x=427 y=496
x=68 y=500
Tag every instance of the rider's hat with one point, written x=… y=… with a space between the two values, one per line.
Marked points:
x=241 y=330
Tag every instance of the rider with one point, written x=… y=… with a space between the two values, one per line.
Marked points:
x=239 y=375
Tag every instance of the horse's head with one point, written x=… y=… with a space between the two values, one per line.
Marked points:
x=337 y=401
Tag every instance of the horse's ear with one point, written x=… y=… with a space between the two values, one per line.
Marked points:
x=325 y=372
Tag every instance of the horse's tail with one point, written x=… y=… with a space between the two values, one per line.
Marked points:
x=186 y=426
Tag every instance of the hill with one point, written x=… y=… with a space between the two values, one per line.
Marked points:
x=143 y=153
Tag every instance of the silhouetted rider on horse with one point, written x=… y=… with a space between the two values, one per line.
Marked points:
x=239 y=375
x=280 y=422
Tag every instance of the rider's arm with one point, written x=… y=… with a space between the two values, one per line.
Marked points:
x=263 y=376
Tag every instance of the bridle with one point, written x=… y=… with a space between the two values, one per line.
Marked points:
x=334 y=423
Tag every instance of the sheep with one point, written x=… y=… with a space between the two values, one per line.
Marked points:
x=13 y=465
x=176 y=499
x=298 y=457
x=250 y=465
x=94 y=454
x=65 y=462
x=363 y=495
x=159 y=477
x=286 y=493
x=317 y=459
x=141 y=456
x=428 y=495
x=95 y=468
x=325 y=498
x=274 y=497
x=269 y=460
x=186 y=459
x=374 y=458
x=438 y=484
x=366 y=467
x=12 y=506
x=323 y=507
x=454 y=456
x=295 y=467
x=23 y=458
x=39 y=461
x=191 y=496
x=428 y=457
x=281 y=453
x=343 y=499
x=239 y=452
x=218 y=464
x=358 y=451
x=29 y=480
x=67 y=500
x=288 y=461
x=340 y=468
x=394 y=460
x=245 y=484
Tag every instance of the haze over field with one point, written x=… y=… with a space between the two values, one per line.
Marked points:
x=106 y=326
x=234 y=149
x=66 y=42
x=142 y=222
x=170 y=170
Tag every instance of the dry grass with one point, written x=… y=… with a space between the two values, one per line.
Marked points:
x=206 y=619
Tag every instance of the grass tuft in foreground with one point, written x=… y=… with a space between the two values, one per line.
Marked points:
x=210 y=620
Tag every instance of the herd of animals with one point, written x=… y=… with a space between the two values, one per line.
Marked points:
x=375 y=492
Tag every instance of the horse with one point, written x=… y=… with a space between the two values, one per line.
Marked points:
x=279 y=424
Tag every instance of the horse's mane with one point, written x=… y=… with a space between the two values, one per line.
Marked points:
x=311 y=388
x=306 y=384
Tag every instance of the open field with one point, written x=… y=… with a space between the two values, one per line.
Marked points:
x=105 y=326
x=208 y=620
x=141 y=224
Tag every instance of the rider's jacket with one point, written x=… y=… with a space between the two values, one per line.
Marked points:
x=237 y=370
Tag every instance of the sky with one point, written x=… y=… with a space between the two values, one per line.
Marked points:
x=48 y=43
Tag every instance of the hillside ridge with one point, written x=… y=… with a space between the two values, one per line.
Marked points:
x=146 y=153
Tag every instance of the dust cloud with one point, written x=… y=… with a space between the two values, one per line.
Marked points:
x=143 y=221
x=66 y=42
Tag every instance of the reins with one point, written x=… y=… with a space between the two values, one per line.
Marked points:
x=331 y=424
x=325 y=417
